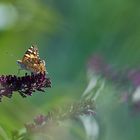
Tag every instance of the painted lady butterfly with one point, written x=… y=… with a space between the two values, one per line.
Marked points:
x=31 y=61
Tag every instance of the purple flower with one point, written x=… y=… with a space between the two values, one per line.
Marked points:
x=40 y=120
x=96 y=63
x=43 y=123
x=134 y=76
x=118 y=76
x=39 y=124
x=25 y=85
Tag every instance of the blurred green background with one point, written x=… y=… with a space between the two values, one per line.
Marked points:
x=68 y=33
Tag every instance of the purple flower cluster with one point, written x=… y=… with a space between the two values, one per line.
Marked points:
x=42 y=123
x=38 y=124
x=25 y=85
x=119 y=76
x=40 y=119
x=126 y=79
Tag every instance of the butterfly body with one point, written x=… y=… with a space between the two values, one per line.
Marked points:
x=32 y=62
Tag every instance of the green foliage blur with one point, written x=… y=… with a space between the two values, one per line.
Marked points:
x=68 y=33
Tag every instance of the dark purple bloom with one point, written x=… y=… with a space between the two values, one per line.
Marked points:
x=25 y=85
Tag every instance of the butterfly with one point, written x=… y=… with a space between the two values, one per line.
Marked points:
x=32 y=62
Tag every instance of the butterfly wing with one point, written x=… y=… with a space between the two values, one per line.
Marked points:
x=31 y=56
x=31 y=61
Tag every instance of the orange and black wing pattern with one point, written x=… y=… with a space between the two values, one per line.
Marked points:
x=32 y=62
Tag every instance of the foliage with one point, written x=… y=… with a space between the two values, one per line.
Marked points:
x=70 y=35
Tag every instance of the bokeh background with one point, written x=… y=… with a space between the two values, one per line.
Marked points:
x=68 y=34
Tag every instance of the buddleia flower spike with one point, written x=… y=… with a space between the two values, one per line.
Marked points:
x=27 y=84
